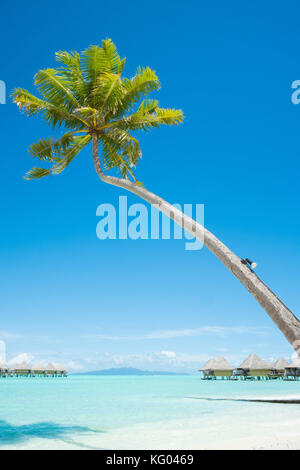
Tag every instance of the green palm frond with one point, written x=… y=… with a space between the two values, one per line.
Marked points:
x=37 y=173
x=144 y=82
x=127 y=144
x=70 y=153
x=114 y=158
x=107 y=93
x=55 y=88
x=72 y=72
x=53 y=115
x=121 y=66
x=61 y=153
x=144 y=120
x=120 y=150
x=111 y=58
x=88 y=115
x=105 y=59
x=148 y=106
x=172 y=117
x=88 y=94
x=49 y=149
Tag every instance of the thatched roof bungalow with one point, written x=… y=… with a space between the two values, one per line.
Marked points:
x=51 y=369
x=293 y=370
x=281 y=364
x=207 y=369
x=24 y=369
x=254 y=366
x=278 y=367
x=38 y=369
x=222 y=368
x=214 y=368
x=61 y=370
x=21 y=369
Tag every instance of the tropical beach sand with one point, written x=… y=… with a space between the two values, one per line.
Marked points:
x=89 y=412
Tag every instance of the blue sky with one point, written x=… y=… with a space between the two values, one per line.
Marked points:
x=69 y=297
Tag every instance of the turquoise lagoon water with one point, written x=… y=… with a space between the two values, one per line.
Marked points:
x=144 y=412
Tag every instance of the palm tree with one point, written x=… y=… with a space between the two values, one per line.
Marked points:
x=88 y=97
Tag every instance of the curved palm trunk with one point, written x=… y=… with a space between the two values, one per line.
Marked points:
x=280 y=314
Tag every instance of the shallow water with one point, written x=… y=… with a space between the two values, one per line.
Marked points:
x=150 y=412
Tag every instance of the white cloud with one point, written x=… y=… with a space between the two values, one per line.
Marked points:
x=162 y=360
x=8 y=335
x=187 y=332
x=74 y=366
x=295 y=357
x=170 y=354
x=24 y=357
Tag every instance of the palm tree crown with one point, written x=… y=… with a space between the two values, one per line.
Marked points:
x=87 y=95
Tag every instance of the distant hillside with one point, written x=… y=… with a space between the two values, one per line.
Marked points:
x=128 y=371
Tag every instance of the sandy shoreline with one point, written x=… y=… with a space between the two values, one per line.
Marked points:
x=191 y=435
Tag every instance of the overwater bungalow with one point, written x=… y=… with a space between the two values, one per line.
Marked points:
x=222 y=368
x=253 y=367
x=207 y=370
x=292 y=372
x=278 y=368
x=38 y=370
x=50 y=370
x=22 y=369
x=61 y=370
x=215 y=368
